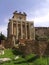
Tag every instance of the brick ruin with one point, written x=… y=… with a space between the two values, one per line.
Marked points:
x=40 y=47
x=37 y=47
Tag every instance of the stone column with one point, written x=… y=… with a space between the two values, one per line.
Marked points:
x=21 y=31
x=30 y=30
x=26 y=29
x=17 y=30
x=34 y=33
x=14 y=40
x=12 y=27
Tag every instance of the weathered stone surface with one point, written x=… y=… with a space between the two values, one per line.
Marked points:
x=5 y=59
x=37 y=47
x=1 y=52
x=17 y=57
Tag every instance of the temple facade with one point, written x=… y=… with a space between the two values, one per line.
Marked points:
x=19 y=28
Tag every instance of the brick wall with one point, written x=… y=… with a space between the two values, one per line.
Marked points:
x=36 y=47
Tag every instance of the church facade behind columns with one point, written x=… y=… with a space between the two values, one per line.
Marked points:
x=20 y=29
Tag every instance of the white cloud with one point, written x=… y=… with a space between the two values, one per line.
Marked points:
x=42 y=21
x=3 y=29
x=40 y=16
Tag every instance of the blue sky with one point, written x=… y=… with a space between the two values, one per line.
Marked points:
x=37 y=11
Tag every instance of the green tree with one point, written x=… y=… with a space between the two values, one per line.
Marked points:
x=2 y=37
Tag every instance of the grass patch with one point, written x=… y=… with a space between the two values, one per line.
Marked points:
x=30 y=59
x=7 y=54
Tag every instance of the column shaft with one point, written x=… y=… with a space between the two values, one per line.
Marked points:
x=26 y=29
x=17 y=30
x=34 y=33
x=12 y=27
x=13 y=40
x=21 y=30
x=30 y=30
